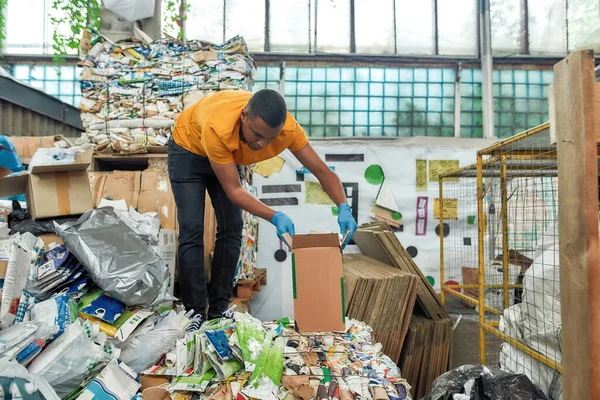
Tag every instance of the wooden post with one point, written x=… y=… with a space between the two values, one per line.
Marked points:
x=574 y=115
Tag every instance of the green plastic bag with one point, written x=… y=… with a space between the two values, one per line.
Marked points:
x=251 y=336
x=270 y=362
x=274 y=364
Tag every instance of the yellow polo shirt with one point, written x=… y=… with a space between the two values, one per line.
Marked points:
x=211 y=128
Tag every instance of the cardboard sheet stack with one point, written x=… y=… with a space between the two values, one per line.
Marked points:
x=426 y=349
x=133 y=91
x=381 y=296
x=536 y=321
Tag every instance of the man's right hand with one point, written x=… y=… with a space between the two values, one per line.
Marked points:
x=284 y=224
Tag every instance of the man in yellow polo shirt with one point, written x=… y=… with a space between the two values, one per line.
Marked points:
x=210 y=140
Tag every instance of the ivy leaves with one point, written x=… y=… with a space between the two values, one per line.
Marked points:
x=69 y=19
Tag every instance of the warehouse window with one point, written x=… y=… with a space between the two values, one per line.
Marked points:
x=36 y=35
x=266 y=78
x=471 y=118
x=520 y=101
x=545 y=27
x=369 y=101
x=61 y=82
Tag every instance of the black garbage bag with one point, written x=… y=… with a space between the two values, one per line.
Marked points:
x=482 y=383
x=17 y=215
x=19 y=221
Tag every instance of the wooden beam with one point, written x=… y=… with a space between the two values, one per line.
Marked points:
x=597 y=109
x=574 y=103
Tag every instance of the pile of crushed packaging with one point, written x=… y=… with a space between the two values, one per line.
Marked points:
x=72 y=341
x=241 y=358
x=247 y=262
x=133 y=92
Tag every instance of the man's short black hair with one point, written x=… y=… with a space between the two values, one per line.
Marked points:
x=268 y=105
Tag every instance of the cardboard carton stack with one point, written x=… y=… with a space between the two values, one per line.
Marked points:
x=427 y=345
x=381 y=296
x=146 y=191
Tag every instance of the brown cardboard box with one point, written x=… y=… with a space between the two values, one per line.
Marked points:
x=122 y=185
x=210 y=235
x=97 y=180
x=156 y=196
x=318 y=282
x=27 y=145
x=49 y=238
x=53 y=190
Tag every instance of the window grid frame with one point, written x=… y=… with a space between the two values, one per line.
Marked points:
x=502 y=130
x=405 y=120
x=393 y=90
x=69 y=97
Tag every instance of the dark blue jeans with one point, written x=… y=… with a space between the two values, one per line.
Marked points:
x=191 y=175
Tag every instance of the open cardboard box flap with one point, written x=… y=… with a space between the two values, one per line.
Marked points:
x=82 y=162
x=54 y=190
x=13 y=185
x=314 y=239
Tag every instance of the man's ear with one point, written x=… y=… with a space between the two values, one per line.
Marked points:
x=244 y=114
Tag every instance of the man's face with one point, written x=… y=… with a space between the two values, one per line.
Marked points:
x=256 y=132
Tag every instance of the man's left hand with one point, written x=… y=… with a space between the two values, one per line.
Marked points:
x=347 y=222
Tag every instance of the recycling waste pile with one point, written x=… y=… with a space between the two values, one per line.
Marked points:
x=132 y=91
x=92 y=318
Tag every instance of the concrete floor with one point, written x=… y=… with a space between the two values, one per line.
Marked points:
x=465 y=338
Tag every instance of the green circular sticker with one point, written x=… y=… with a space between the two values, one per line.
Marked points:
x=396 y=216
x=374 y=174
x=431 y=280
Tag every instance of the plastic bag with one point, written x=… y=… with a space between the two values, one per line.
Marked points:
x=19 y=221
x=270 y=362
x=13 y=335
x=99 y=305
x=54 y=156
x=274 y=366
x=17 y=272
x=58 y=311
x=251 y=336
x=29 y=348
x=36 y=228
x=146 y=349
x=22 y=384
x=117 y=259
x=69 y=360
x=115 y=381
x=9 y=158
x=477 y=382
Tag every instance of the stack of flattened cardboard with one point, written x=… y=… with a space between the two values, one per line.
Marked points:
x=427 y=345
x=425 y=354
x=381 y=296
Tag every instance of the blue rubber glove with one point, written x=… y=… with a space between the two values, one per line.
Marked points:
x=284 y=224
x=346 y=222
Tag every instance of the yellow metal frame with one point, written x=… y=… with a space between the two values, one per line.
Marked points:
x=494 y=155
x=481 y=256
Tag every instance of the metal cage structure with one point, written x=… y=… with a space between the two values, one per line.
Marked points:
x=536 y=296
x=499 y=254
